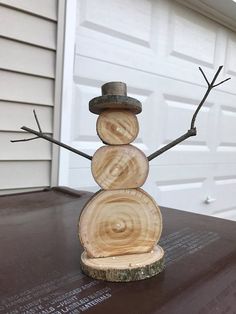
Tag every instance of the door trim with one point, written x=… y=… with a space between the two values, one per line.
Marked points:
x=57 y=110
x=67 y=89
x=210 y=12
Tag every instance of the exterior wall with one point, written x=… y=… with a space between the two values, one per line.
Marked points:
x=28 y=58
x=155 y=47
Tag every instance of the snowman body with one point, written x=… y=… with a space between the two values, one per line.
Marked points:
x=121 y=224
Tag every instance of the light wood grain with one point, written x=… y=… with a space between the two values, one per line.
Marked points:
x=116 y=127
x=120 y=222
x=125 y=267
x=119 y=167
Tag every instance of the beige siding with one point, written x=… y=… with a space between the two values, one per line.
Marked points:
x=32 y=150
x=24 y=174
x=26 y=88
x=43 y=8
x=21 y=57
x=14 y=115
x=27 y=81
x=27 y=28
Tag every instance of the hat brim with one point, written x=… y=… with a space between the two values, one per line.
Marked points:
x=99 y=104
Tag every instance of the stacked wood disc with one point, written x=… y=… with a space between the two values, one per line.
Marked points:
x=119 y=167
x=124 y=268
x=121 y=224
x=117 y=222
x=116 y=127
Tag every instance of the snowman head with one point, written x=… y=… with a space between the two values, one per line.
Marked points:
x=117 y=123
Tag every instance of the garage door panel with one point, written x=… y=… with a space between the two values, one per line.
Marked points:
x=227 y=129
x=76 y=179
x=225 y=187
x=83 y=129
x=230 y=61
x=121 y=52
x=178 y=193
x=156 y=48
x=226 y=214
x=184 y=111
x=143 y=117
x=181 y=186
x=124 y=20
x=180 y=102
x=188 y=187
x=190 y=36
x=167 y=104
x=98 y=71
x=169 y=49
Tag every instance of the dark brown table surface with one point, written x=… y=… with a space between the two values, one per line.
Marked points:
x=40 y=262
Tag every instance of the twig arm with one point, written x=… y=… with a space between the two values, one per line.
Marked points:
x=192 y=131
x=40 y=134
x=37 y=121
x=25 y=139
x=52 y=140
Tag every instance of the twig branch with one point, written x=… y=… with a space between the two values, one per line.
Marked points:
x=192 y=131
x=210 y=87
x=180 y=139
x=204 y=75
x=37 y=121
x=32 y=138
x=52 y=140
x=229 y=78
x=40 y=134
x=25 y=139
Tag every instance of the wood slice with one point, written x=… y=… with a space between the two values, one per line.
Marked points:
x=119 y=167
x=98 y=104
x=116 y=127
x=125 y=267
x=114 y=88
x=120 y=222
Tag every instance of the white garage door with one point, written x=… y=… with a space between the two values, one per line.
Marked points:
x=156 y=48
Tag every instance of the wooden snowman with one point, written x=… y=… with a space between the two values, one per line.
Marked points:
x=120 y=226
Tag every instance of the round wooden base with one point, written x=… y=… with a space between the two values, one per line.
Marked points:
x=124 y=268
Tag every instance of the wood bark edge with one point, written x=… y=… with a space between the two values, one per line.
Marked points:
x=121 y=274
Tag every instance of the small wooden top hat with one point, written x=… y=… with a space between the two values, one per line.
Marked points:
x=114 y=96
